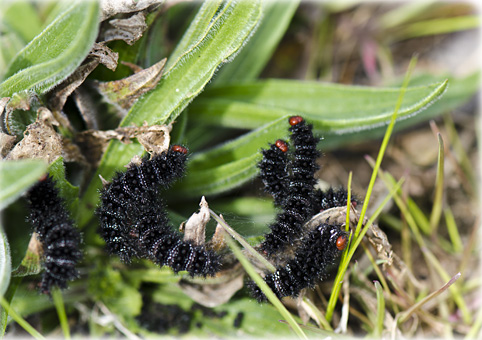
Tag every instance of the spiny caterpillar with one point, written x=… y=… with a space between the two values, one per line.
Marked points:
x=55 y=229
x=289 y=178
x=134 y=222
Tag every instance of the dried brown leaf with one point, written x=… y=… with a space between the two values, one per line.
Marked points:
x=195 y=227
x=61 y=92
x=128 y=30
x=155 y=139
x=215 y=291
x=105 y=55
x=125 y=92
x=40 y=140
x=110 y=8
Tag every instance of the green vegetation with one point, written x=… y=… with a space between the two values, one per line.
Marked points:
x=234 y=72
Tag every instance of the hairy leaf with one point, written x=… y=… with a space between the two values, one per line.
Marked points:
x=55 y=53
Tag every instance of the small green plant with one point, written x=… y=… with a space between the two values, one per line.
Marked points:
x=81 y=85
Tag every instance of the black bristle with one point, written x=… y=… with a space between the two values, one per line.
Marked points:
x=274 y=173
x=332 y=198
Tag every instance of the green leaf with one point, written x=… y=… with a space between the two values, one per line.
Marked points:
x=5 y=262
x=234 y=163
x=120 y=296
x=214 y=37
x=438 y=26
x=330 y=107
x=459 y=92
x=67 y=191
x=231 y=164
x=255 y=55
x=206 y=49
x=22 y=18
x=56 y=52
x=11 y=43
x=17 y=176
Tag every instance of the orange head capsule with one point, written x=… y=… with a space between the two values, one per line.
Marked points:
x=295 y=120
x=281 y=144
x=341 y=242
x=178 y=148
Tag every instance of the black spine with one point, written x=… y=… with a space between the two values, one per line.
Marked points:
x=274 y=173
x=331 y=198
x=298 y=205
x=56 y=232
x=317 y=252
x=134 y=222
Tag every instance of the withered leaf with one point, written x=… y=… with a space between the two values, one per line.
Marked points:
x=215 y=291
x=110 y=8
x=155 y=139
x=105 y=55
x=31 y=263
x=195 y=227
x=129 y=29
x=40 y=140
x=125 y=92
x=61 y=92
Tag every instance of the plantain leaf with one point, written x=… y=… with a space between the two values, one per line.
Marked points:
x=56 y=52
x=232 y=164
x=330 y=107
x=17 y=176
x=206 y=49
x=255 y=55
x=214 y=37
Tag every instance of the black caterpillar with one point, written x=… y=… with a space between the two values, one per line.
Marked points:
x=134 y=223
x=319 y=250
x=289 y=178
x=60 y=239
x=291 y=183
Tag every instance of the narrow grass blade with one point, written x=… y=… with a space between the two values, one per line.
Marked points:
x=8 y=296
x=348 y=202
x=429 y=257
x=439 y=26
x=317 y=315
x=384 y=145
x=242 y=241
x=353 y=245
x=439 y=188
x=406 y=314
x=475 y=331
x=377 y=333
x=59 y=306
x=453 y=230
x=21 y=321
x=266 y=290
x=419 y=217
x=454 y=289
x=404 y=13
